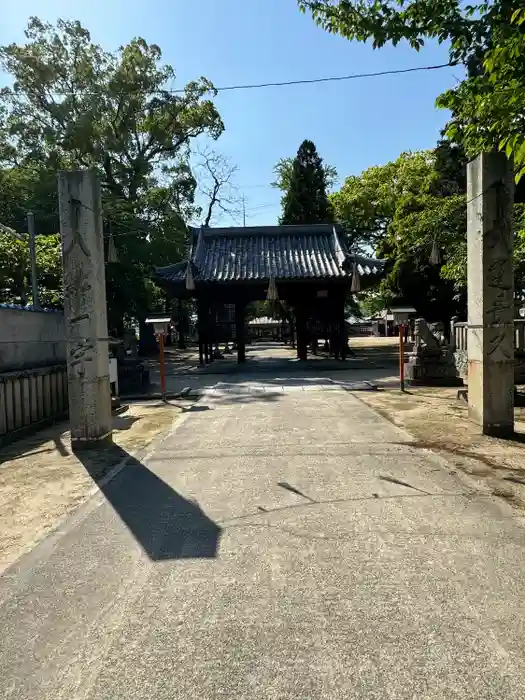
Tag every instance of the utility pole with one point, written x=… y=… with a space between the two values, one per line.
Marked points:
x=85 y=308
x=244 y=211
x=32 y=256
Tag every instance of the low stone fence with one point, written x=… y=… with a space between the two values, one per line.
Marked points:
x=458 y=338
x=29 y=398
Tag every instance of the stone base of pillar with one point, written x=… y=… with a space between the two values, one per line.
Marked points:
x=80 y=444
x=491 y=398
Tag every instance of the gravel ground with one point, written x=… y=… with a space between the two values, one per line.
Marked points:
x=439 y=421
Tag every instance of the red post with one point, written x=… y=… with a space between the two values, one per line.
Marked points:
x=162 y=367
x=402 y=357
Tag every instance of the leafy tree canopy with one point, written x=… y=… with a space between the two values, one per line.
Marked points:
x=488 y=37
x=489 y=108
x=74 y=105
x=15 y=280
x=407 y=209
x=283 y=173
x=468 y=28
x=305 y=200
x=365 y=204
x=400 y=209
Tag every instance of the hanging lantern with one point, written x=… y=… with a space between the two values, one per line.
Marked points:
x=112 y=251
x=435 y=255
x=355 y=287
x=190 y=282
x=272 y=294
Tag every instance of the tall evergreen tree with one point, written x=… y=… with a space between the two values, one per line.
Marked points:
x=306 y=200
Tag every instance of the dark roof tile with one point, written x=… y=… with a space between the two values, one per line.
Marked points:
x=258 y=253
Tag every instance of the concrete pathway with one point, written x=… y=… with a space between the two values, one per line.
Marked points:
x=287 y=545
x=375 y=359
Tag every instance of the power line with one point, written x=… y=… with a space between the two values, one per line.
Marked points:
x=263 y=206
x=282 y=83
x=140 y=228
x=336 y=78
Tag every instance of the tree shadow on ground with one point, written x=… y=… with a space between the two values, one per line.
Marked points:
x=165 y=524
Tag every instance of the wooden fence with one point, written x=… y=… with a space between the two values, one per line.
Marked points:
x=29 y=398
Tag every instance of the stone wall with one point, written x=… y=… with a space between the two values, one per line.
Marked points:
x=30 y=338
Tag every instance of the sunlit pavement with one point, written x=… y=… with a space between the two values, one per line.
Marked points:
x=286 y=544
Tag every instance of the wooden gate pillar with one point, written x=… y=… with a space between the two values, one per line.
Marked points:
x=240 y=332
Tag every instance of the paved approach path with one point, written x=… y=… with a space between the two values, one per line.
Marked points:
x=200 y=574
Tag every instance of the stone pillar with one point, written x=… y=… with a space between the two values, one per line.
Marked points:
x=85 y=308
x=490 y=294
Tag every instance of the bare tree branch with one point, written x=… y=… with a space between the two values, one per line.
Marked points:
x=215 y=177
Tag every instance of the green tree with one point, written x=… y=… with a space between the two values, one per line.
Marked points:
x=29 y=188
x=74 y=105
x=519 y=248
x=15 y=270
x=365 y=204
x=401 y=209
x=305 y=200
x=488 y=109
x=469 y=28
x=455 y=267
x=283 y=173
x=406 y=208
x=485 y=36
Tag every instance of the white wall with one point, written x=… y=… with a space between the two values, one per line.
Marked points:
x=30 y=339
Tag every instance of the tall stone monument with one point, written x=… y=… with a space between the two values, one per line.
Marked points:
x=85 y=308
x=490 y=294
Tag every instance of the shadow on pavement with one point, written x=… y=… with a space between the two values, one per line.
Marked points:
x=123 y=422
x=164 y=523
x=238 y=396
x=34 y=443
x=197 y=408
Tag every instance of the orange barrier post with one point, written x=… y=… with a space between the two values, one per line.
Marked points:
x=162 y=367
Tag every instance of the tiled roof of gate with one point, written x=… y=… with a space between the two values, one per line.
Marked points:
x=261 y=252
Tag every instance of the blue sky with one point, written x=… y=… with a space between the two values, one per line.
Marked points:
x=354 y=124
